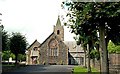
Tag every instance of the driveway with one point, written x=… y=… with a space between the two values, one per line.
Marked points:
x=43 y=69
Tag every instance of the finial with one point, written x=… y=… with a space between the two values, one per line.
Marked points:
x=58 y=16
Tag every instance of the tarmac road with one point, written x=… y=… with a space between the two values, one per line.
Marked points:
x=43 y=69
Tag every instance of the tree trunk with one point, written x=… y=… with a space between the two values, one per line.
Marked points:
x=84 y=48
x=16 y=58
x=93 y=62
x=103 y=51
x=98 y=50
x=107 y=41
x=100 y=65
x=85 y=56
x=89 y=68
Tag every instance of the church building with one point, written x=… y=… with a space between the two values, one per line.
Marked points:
x=54 y=50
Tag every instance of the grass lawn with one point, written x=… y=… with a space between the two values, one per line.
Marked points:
x=82 y=70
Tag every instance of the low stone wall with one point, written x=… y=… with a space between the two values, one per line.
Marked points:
x=114 y=69
x=114 y=63
x=114 y=59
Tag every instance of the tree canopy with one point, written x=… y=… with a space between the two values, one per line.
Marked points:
x=112 y=48
x=86 y=19
x=5 y=40
x=90 y=16
x=17 y=44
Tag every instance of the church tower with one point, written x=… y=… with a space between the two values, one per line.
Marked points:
x=59 y=29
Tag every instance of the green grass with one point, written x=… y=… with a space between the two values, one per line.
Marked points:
x=83 y=70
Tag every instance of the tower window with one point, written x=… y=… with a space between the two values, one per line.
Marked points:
x=35 y=48
x=58 y=32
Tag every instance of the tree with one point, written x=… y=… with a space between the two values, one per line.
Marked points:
x=99 y=17
x=5 y=39
x=18 y=45
x=84 y=32
x=21 y=57
x=6 y=55
x=112 y=48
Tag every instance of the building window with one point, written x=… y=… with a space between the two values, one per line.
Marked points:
x=58 y=32
x=53 y=52
x=81 y=60
x=53 y=48
x=35 y=48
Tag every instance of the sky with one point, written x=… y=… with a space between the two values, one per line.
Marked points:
x=33 y=18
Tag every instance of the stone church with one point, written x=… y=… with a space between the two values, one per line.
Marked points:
x=54 y=50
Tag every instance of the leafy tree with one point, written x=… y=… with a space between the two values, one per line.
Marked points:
x=117 y=49
x=6 y=55
x=21 y=57
x=18 y=45
x=112 y=48
x=98 y=17
x=84 y=33
x=12 y=55
x=5 y=39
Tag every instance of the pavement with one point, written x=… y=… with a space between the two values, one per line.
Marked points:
x=43 y=69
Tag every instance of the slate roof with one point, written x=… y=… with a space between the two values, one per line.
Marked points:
x=73 y=46
x=33 y=43
x=56 y=38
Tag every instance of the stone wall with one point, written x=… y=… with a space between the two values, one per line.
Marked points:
x=29 y=51
x=114 y=59
x=114 y=63
x=62 y=57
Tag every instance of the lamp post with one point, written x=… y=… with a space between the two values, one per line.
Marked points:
x=1 y=28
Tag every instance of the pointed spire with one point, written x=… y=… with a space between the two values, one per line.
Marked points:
x=58 y=21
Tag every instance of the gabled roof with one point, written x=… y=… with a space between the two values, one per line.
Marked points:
x=56 y=38
x=73 y=47
x=47 y=38
x=32 y=44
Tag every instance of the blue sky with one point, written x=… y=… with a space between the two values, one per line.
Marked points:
x=33 y=18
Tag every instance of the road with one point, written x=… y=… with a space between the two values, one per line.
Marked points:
x=43 y=69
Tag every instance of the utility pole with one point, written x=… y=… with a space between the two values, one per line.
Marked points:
x=1 y=28
x=0 y=18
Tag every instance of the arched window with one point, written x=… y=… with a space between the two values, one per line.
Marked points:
x=58 y=32
x=35 y=48
x=53 y=47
